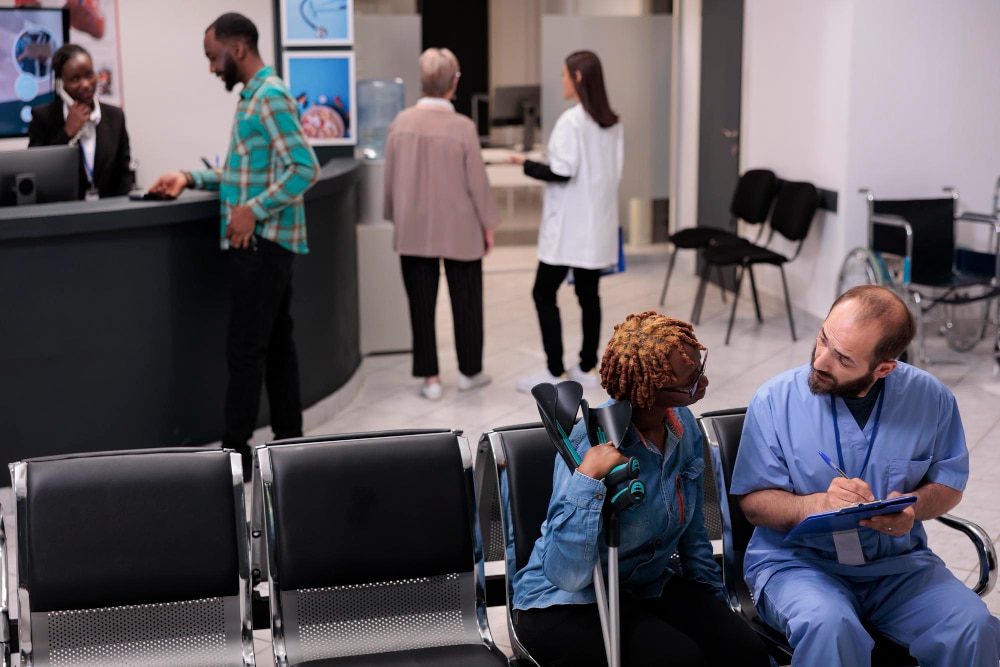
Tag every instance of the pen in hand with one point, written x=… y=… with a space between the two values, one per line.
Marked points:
x=834 y=467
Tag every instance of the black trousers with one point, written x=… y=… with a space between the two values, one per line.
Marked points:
x=548 y=278
x=687 y=626
x=421 y=276
x=259 y=345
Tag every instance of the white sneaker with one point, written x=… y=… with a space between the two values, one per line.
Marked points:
x=467 y=382
x=587 y=379
x=431 y=392
x=525 y=384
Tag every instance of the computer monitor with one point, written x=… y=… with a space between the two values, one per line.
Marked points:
x=28 y=38
x=518 y=105
x=40 y=175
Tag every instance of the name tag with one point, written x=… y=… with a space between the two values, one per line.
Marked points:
x=848 y=544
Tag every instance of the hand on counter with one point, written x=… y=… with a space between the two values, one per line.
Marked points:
x=516 y=158
x=169 y=186
x=242 y=223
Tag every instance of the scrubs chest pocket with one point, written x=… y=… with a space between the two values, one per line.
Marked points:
x=905 y=475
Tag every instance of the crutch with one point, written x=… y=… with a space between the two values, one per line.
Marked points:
x=558 y=406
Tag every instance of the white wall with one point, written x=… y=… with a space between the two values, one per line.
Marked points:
x=896 y=95
x=685 y=114
x=794 y=120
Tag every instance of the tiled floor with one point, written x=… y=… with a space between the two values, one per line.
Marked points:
x=388 y=398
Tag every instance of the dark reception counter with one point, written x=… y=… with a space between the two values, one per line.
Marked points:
x=113 y=318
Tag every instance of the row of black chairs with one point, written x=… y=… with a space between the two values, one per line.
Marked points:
x=371 y=546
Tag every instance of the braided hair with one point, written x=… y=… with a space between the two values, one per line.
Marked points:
x=636 y=363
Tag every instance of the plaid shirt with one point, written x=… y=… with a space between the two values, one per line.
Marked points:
x=269 y=166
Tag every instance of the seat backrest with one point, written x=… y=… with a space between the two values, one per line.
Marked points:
x=710 y=497
x=134 y=557
x=754 y=195
x=370 y=532
x=794 y=209
x=933 y=224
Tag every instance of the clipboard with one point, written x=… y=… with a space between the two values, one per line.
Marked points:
x=846 y=518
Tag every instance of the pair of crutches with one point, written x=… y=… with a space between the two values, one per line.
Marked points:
x=558 y=406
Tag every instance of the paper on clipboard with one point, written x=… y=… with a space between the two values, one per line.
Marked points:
x=847 y=518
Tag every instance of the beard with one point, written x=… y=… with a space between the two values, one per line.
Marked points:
x=230 y=75
x=824 y=384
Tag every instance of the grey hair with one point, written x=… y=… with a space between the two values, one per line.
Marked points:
x=438 y=69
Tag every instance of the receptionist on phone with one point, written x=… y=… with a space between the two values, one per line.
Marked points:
x=77 y=117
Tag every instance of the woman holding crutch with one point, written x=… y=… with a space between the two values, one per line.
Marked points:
x=671 y=613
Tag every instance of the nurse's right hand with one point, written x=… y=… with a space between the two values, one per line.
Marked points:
x=844 y=492
x=599 y=460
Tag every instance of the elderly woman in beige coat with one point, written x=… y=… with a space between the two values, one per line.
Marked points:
x=438 y=196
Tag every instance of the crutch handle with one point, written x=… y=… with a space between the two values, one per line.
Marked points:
x=630 y=494
x=622 y=473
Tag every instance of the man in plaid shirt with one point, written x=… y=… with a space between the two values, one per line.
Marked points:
x=269 y=167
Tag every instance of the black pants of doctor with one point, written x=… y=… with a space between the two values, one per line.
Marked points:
x=259 y=345
x=421 y=277
x=686 y=627
x=548 y=278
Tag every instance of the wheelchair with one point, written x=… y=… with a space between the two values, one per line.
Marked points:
x=912 y=250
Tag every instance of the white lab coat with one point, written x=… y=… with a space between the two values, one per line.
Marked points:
x=580 y=216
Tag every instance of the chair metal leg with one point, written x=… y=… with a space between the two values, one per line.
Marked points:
x=722 y=282
x=756 y=299
x=699 y=298
x=922 y=357
x=666 y=281
x=736 y=300
x=788 y=302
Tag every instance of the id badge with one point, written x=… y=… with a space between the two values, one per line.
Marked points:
x=92 y=195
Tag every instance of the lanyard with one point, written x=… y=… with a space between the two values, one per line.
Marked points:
x=87 y=167
x=871 y=442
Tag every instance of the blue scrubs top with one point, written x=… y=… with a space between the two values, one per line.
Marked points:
x=920 y=439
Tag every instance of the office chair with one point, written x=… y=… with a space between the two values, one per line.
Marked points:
x=751 y=203
x=722 y=431
x=373 y=551
x=793 y=213
x=133 y=558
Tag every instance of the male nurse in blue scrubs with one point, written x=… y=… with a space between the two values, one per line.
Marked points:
x=892 y=429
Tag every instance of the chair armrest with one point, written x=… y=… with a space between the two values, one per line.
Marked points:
x=984 y=549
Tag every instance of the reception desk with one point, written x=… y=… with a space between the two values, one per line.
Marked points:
x=113 y=318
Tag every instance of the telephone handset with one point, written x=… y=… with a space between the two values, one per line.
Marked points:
x=61 y=92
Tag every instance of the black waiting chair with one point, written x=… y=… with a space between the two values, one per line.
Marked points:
x=524 y=460
x=133 y=558
x=793 y=213
x=751 y=203
x=373 y=551
x=722 y=431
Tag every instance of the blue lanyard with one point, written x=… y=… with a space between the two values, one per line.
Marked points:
x=871 y=442
x=86 y=165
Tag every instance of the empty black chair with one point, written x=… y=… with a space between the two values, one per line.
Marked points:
x=793 y=213
x=373 y=551
x=751 y=203
x=722 y=431
x=133 y=558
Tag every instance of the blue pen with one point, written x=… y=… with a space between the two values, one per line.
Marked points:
x=835 y=468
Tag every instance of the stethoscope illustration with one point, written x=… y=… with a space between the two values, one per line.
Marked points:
x=311 y=10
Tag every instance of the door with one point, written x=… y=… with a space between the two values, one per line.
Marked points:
x=718 y=143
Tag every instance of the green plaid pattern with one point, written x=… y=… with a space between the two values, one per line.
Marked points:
x=269 y=166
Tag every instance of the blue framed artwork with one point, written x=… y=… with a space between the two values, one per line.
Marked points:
x=322 y=82
x=317 y=22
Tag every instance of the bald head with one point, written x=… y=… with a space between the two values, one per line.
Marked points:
x=879 y=308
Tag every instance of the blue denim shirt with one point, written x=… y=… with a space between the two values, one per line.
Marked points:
x=668 y=520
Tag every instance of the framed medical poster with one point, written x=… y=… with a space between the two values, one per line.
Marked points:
x=322 y=82
x=317 y=22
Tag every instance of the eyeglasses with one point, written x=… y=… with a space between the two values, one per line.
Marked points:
x=694 y=388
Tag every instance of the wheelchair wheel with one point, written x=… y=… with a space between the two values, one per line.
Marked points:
x=860 y=267
x=964 y=325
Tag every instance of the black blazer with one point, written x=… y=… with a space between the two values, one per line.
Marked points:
x=111 y=156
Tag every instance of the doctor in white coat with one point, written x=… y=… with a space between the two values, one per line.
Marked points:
x=579 y=228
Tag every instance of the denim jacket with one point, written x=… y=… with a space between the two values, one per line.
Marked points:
x=668 y=520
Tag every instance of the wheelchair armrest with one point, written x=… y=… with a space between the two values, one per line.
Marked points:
x=984 y=549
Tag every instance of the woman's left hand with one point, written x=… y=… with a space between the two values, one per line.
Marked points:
x=515 y=158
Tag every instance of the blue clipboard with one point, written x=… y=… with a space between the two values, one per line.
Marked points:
x=847 y=518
